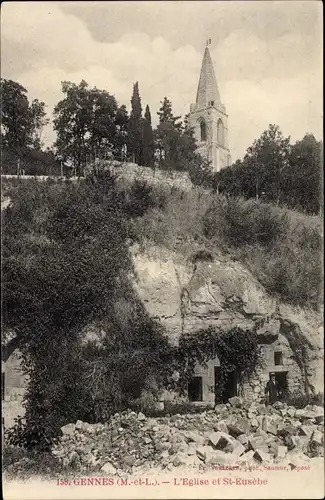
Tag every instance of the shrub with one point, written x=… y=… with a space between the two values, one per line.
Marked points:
x=35 y=433
x=281 y=248
x=12 y=454
x=178 y=225
x=301 y=400
x=141 y=197
x=238 y=222
x=22 y=463
x=66 y=265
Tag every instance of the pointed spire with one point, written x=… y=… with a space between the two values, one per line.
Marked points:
x=208 y=88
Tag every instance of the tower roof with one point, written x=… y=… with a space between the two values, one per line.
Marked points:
x=208 y=88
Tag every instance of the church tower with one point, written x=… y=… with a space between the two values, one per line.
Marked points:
x=209 y=119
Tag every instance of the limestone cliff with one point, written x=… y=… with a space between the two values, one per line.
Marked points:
x=188 y=296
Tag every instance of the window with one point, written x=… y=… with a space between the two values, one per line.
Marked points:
x=203 y=128
x=220 y=132
x=2 y=386
x=278 y=358
x=195 y=389
x=211 y=103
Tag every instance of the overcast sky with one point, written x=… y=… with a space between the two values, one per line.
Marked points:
x=267 y=56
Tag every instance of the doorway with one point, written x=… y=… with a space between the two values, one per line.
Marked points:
x=195 y=392
x=282 y=379
x=230 y=388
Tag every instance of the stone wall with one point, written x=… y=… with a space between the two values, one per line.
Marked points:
x=294 y=376
x=132 y=172
x=15 y=384
x=254 y=389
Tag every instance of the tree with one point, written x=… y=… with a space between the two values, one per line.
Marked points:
x=135 y=145
x=176 y=144
x=66 y=268
x=166 y=115
x=64 y=256
x=21 y=121
x=147 y=139
x=302 y=178
x=88 y=123
x=38 y=121
x=277 y=171
x=266 y=159
x=122 y=120
x=168 y=136
x=260 y=172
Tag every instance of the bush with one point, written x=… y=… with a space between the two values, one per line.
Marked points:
x=178 y=225
x=12 y=454
x=35 y=433
x=65 y=266
x=22 y=463
x=237 y=222
x=300 y=400
x=281 y=248
x=141 y=197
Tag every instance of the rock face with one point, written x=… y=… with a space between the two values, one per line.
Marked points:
x=131 y=442
x=186 y=297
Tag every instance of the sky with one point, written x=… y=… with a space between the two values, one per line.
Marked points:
x=267 y=57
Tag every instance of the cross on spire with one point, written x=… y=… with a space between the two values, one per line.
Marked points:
x=209 y=41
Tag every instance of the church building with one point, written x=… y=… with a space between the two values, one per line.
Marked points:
x=209 y=119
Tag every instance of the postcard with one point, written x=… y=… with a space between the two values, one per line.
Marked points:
x=162 y=228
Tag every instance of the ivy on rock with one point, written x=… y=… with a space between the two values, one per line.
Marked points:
x=237 y=350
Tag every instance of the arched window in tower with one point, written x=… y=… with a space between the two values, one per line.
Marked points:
x=220 y=133
x=203 y=128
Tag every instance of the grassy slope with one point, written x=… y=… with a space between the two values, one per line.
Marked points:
x=281 y=247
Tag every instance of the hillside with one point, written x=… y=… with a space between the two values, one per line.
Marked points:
x=280 y=247
x=137 y=280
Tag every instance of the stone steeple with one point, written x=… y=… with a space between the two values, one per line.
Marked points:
x=209 y=119
x=208 y=88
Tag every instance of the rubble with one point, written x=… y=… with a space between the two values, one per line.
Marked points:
x=232 y=433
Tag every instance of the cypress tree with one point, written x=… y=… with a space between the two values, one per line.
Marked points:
x=148 y=141
x=135 y=127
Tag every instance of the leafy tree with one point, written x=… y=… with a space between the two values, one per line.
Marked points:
x=37 y=122
x=147 y=138
x=35 y=162
x=121 y=141
x=21 y=121
x=135 y=145
x=301 y=180
x=73 y=116
x=274 y=170
x=265 y=161
x=88 y=123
